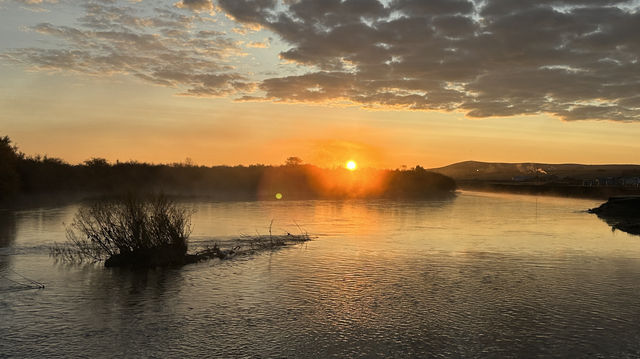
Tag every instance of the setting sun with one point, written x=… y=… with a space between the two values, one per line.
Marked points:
x=351 y=165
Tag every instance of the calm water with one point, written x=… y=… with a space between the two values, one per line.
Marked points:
x=481 y=275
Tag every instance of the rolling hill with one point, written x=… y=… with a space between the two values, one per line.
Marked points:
x=488 y=171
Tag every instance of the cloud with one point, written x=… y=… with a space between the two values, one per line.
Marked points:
x=34 y=5
x=195 y=5
x=36 y=2
x=266 y=43
x=161 y=49
x=576 y=59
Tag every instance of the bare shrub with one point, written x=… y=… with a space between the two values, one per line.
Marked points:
x=152 y=230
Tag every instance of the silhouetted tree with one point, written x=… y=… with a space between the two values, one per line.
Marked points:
x=293 y=161
x=419 y=183
x=96 y=162
x=46 y=174
x=9 y=177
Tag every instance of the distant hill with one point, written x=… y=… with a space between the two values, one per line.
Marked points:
x=488 y=171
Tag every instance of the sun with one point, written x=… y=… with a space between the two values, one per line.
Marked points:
x=351 y=165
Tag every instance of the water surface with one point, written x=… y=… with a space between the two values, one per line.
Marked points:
x=482 y=275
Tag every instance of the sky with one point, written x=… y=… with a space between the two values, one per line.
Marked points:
x=385 y=83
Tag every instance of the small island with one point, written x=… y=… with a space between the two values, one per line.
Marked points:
x=145 y=231
x=622 y=213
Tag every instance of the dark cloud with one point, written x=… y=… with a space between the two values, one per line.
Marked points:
x=159 y=49
x=577 y=59
x=251 y=11
x=433 y=7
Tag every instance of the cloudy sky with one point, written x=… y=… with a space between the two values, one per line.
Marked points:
x=388 y=83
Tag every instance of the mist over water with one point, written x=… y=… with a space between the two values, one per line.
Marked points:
x=480 y=275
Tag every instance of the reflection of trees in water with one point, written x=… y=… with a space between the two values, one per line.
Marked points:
x=123 y=288
x=10 y=280
x=625 y=224
x=7 y=228
x=136 y=304
x=7 y=237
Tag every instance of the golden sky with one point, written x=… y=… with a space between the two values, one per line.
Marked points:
x=387 y=83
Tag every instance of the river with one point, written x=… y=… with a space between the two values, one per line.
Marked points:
x=480 y=275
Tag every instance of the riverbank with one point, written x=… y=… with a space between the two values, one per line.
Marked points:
x=549 y=189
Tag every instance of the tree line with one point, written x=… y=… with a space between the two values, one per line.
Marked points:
x=22 y=174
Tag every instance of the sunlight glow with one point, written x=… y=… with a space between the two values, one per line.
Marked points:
x=351 y=166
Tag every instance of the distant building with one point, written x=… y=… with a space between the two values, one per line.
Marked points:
x=588 y=183
x=605 y=181
x=631 y=181
x=612 y=181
